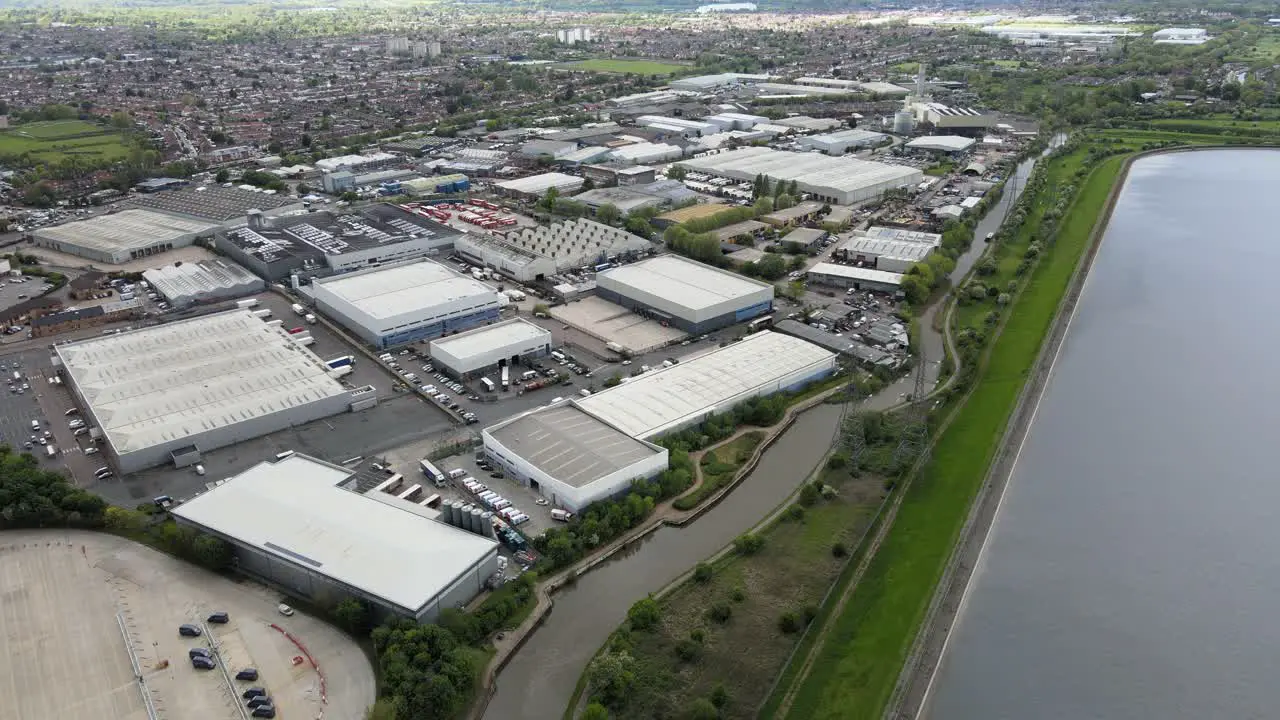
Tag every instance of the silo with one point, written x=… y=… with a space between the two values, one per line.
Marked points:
x=451 y=513
x=477 y=521
x=486 y=525
x=903 y=122
x=464 y=516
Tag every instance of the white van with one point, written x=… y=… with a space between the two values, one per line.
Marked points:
x=561 y=515
x=456 y=473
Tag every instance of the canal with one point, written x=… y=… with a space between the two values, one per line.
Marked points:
x=1133 y=566
x=540 y=678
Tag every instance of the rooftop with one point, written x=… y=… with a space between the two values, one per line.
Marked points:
x=570 y=445
x=317 y=234
x=691 y=284
x=125 y=230
x=903 y=234
x=692 y=212
x=900 y=249
x=212 y=202
x=194 y=278
x=158 y=384
x=844 y=174
x=856 y=273
x=536 y=184
x=944 y=143
x=397 y=289
x=482 y=340
x=295 y=509
x=711 y=383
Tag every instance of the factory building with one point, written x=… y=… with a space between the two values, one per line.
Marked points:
x=405 y=302
x=536 y=186
x=643 y=153
x=895 y=256
x=947 y=144
x=858 y=278
x=228 y=207
x=93 y=316
x=123 y=236
x=357 y=163
x=324 y=242
x=170 y=392
x=670 y=399
x=902 y=234
x=299 y=524
x=205 y=281
x=840 y=181
x=945 y=117
x=735 y=121
x=571 y=457
x=679 y=127
x=837 y=143
x=471 y=353
x=712 y=83
x=532 y=254
x=689 y=295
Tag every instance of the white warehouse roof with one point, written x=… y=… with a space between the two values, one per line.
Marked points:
x=485 y=340
x=685 y=283
x=690 y=391
x=878 y=247
x=846 y=179
x=194 y=281
x=942 y=143
x=294 y=509
x=126 y=230
x=856 y=273
x=399 y=289
x=539 y=184
x=160 y=384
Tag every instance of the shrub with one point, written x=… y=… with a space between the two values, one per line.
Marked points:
x=719 y=696
x=738 y=595
x=809 y=495
x=839 y=550
x=698 y=635
x=795 y=513
x=688 y=650
x=748 y=544
x=789 y=622
x=720 y=613
x=644 y=615
x=702 y=573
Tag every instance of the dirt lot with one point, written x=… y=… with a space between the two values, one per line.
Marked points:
x=70 y=599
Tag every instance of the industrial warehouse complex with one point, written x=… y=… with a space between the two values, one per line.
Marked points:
x=405 y=302
x=165 y=394
x=204 y=281
x=295 y=523
x=580 y=451
x=323 y=242
x=687 y=294
x=534 y=254
x=836 y=180
x=124 y=236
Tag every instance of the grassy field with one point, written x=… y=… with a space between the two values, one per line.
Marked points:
x=50 y=142
x=744 y=654
x=860 y=659
x=719 y=466
x=1226 y=123
x=1267 y=49
x=637 y=67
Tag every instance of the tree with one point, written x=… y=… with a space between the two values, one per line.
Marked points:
x=749 y=544
x=349 y=196
x=548 y=201
x=121 y=120
x=764 y=205
x=352 y=615
x=613 y=381
x=784 y=201
x=222 y=176
x=677 y=172
x=211 y=552
x=594 y=711
x=645 y=614
x=608 y=213
x=771 y=267
x=611 y=677
x=381 y=710
x=638 y=225
x=304 y=189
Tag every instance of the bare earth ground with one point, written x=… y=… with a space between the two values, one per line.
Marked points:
x=65 y=595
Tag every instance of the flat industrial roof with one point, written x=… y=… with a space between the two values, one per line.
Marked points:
x=708 y=384
x=125 y=230
x=945 y=143
x=570 y=445
x=164 y=383
x=540 y=183
x=295 y=509
x=902 y=234
x=212 y=202
x=482 y=340
x=880 y=247
x=856 y=273
x=843 y=174
x=691 y=284
x=391 y=291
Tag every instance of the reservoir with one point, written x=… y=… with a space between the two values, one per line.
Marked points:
x=1133 y=569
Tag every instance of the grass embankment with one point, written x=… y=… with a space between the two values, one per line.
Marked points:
x=54 y=141
x=719 y=466
x=688 y=655
x=862 y=654
x=636 y=67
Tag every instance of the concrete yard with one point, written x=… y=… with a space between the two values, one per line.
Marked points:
x=71 y=597
x=614 y=323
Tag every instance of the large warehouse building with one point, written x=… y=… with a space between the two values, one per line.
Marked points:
x=405 y=302
x=835 y=180
x=225 y=206
x=532 y=254
x=202 y=282
x=293 y=523
x=170 y=392
x=569 y=456
x=124 y=236
x=325 y=242
x=475 y=351
x=858 y=278
x=689 y=295
x=670 y=399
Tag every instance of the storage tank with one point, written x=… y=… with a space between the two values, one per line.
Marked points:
x=903 y=122
x=464 y=516
x=486 y=525
x=477 y=521
x=450 y=513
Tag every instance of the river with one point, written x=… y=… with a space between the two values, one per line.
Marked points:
x=1134 y=565
x=540 y=678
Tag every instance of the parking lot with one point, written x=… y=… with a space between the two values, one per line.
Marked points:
x=72 y=599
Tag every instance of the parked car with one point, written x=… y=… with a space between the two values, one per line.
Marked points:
x=284 y=609
x=249 y=674
x=201 y=662
x=220 y=618
x=253 y=692
x=189 y=630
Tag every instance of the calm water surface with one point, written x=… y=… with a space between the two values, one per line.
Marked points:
x=1134 y=568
